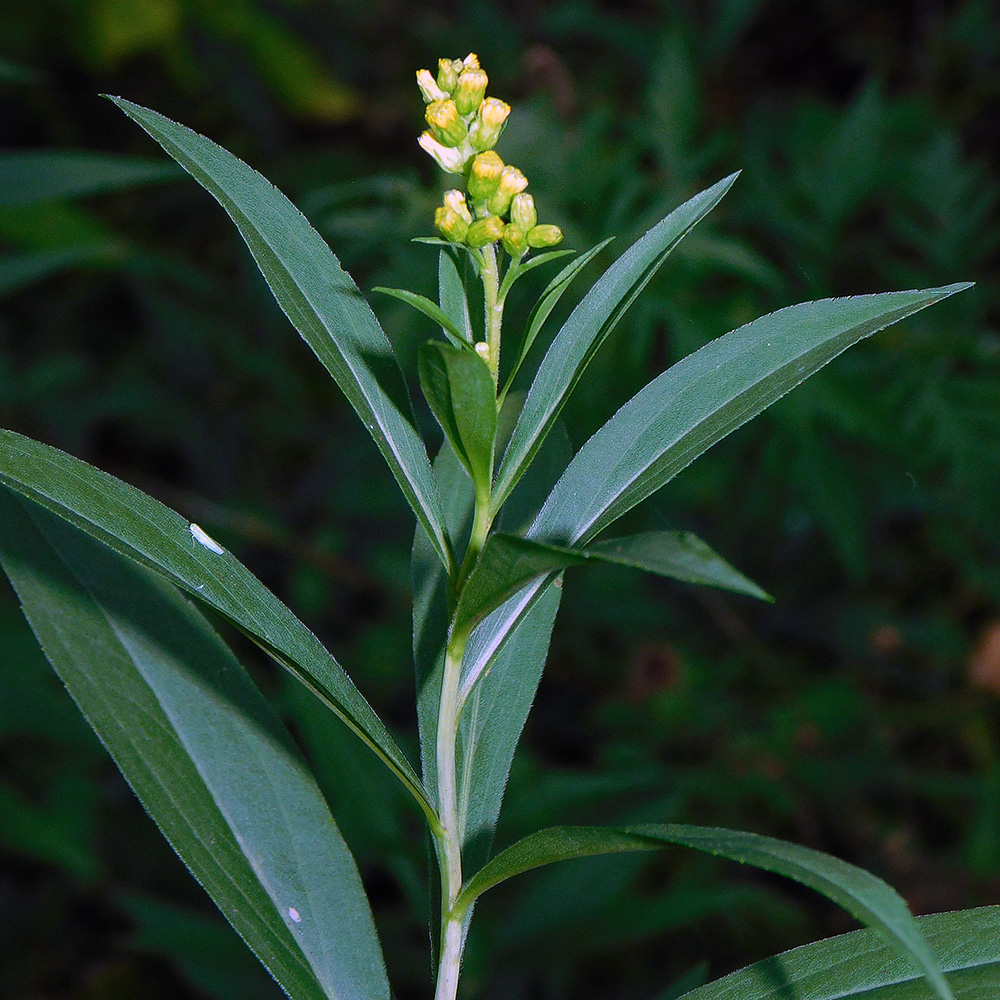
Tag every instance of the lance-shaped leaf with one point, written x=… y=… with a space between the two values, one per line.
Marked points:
x=320 y=299
x=136 y=525
x=701 y=399
x=546 y=303
x=459 y=389
x=865 y=896
x=201 y=748
x=451 y=293
x=430 y=309
x=587 y=328
x=861 y=964
x=508 y=562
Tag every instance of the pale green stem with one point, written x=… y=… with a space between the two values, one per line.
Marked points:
x=494 y=307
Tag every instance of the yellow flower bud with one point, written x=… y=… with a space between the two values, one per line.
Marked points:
x=429 y=88
x=455 y=200
x=471 y=61
x=514 y=240
x=510 y=183
x=450 y=224
x=449 y=159
x=485 y=175
x=445 y=122
x=544 y=236
x=484 y=231
x=470 y=90
x=522 y=212
x=447 y=76
x=486 y=129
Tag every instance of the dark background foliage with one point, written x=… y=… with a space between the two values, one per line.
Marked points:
x=858 y=714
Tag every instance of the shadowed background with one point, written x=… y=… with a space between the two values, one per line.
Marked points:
x=858 y=714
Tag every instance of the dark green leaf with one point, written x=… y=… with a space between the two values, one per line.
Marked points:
x=460 y=391
x=44 y=176
x=862 y=894
x=587 y=328
x=547 y=302
x=704 y=397
x=508 y=562
x=861 y=965
x=451 y=293
x=320 y=299
x=136 y=525
x=424 y=305
x=209 y=760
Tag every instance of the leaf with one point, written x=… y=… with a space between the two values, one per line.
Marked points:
x=863 y=895
x=460 y=391
x=516 y=271
x=451 y=294
x=508 y=562
x=588 y=327
x=137 y=526
x=201 y=748
x=27 y=177
x=431 y=310
x=19 y=270
x=860 y=964
x=701 y=399
x=322 y=302
x=547 y=302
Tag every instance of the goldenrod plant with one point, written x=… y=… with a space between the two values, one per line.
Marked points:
x=113 y=582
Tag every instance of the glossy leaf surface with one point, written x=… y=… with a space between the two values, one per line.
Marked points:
x=136 y=525
x=861 y=966
x=862 y=894
x=701 y=399
x=588 y=327
x=320 y=299
x=201 y=748
x=509 y=562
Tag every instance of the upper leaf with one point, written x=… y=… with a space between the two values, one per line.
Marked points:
x=459 y=389
x=862 y=894
x=320 y=299
x=587 y=328
x=133 y=523
x=207 y=757
x=699 y=400
x=508 y=562
x=861 y=964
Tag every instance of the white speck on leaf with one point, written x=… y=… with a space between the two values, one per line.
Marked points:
x=294 y=914
x=203 y=538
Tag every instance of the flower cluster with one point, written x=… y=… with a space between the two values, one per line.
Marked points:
x=465 y=125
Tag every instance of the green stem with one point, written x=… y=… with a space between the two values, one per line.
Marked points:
x=494 y=307
x=449 y=842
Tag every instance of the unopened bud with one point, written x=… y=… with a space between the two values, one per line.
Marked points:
x=455 y=200
x=447 y=76
x=486 y=129
x=522 y=212
x=449 y=159
x=544 y=236
x=483 y=350
x=511 y=182
x=450 y=224
x=445 y=122
x=514 y=240
x=471 y=61
x=485 y=175
x=429 y=88
x=484 y=231
x=470 y=90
